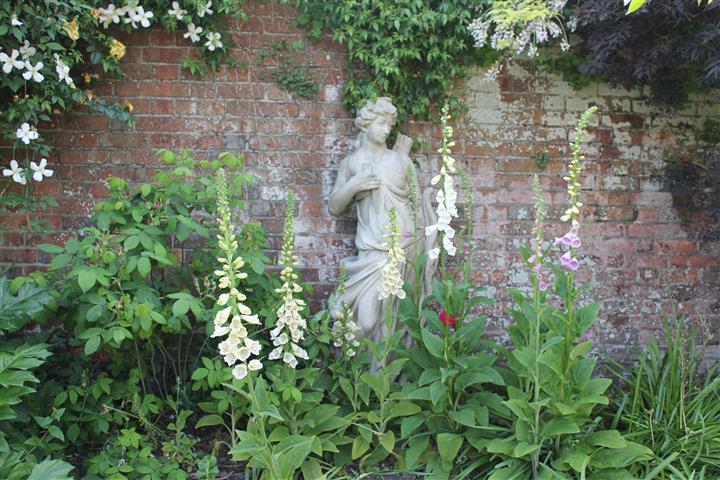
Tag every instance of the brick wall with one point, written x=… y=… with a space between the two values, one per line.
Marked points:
x=648 y=248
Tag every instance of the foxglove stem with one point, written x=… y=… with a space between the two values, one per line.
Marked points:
x=290 y=328
x=238 y=346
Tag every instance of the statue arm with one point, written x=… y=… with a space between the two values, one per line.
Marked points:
x=346 y=187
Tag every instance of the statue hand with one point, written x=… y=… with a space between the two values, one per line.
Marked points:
x=365 y=181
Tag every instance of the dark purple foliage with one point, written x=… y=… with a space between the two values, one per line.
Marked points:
x=672 y=46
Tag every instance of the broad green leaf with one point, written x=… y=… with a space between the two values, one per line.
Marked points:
x=464 y=417
x=410 y=424
x=418 y=445
x=359 y=447
x=144 y=267
x=86 y=280
x=92 y=345
x=433 y=343
x=388 y=441
x=51 y=470
x=209 y=420
x=523 y=449
x=448 y=446
x=559 y=426
x=50 y=248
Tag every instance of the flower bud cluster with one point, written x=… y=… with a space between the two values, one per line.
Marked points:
x=571 y=240
x=344 y=328
x=392 y=279
x=446 y=196
x=238 y=348
x=536 y=260
x=290 y=327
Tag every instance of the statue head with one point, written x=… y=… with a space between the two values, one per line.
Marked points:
x=375 y=120
x=382 y=106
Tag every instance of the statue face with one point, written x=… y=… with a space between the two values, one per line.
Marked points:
x=379 y=129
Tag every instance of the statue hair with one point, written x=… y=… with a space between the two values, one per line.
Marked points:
x=381 y=107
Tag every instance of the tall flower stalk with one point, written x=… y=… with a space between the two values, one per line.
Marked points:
x=238 y=348
x=290 y=328
x=392 y=278
x=572 y=241
x=344 y=327
x=446 y=196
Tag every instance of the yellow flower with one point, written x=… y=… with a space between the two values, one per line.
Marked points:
x=90 y=95
x=117 y=49
x=72 y=29
x=128 y=106
x=95 y=13
x=87 y=78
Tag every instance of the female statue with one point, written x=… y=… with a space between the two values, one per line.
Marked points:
x=377 y=179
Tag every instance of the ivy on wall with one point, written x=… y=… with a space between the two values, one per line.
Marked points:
x=411 y=50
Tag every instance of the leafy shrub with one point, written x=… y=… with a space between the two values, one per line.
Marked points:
x=666 y=46
x=19 y=358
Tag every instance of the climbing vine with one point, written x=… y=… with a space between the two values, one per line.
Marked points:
x=411 y=50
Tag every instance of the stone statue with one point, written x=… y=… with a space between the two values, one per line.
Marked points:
x=377 y=178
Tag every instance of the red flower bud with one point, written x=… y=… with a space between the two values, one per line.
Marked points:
x=447 y=319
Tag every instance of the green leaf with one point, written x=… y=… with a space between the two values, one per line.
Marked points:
x=60 y=261
x=433 y=343
x=359 y=447
x=51 y=470
x=388 y=441
x=607 y=439
x=523 y=448
x=418 y=445
x=180 y=307
x=464 y=417
x=209 y=420
x=131 y=242
x=291 y=453
x=559 y=426
x=86 y=280
x=404 y=409
x=479 y=375
x=143 y=266
x=448 y=446
x=311 y=470
x=50 y=248
x=634 y=6
x=410 y=424
x=92 y=345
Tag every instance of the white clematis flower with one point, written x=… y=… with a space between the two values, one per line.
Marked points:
x=63 y=71
x=27 y=51
x=26 y=133
x=109 y=15
x=17 y=173
x=176 y=11
x=11 y=61
x=205 y=9
x=213 y=41
x=33 y=72
x=193 y=33
x=40 y=170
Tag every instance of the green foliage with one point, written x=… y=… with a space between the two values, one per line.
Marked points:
x=292 y=77
x=410 y=50
x=672 y=403
x=18 y=363
x=552 y=392
x=17 y=309
x=448 y=372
